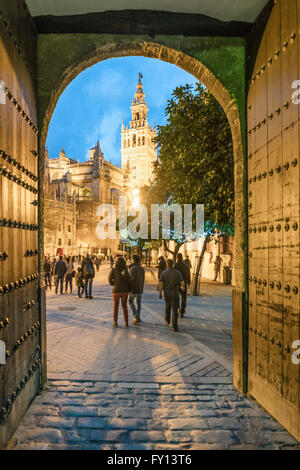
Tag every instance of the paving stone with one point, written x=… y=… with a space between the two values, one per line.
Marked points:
x=179 y=386
x=178 y=436
x=79 y=411
x=214 y=437
x=96 y=391
x=39 y=435
x=147 y=436
x=68 y=402
x=72 y=389
x=74 y=436
x=134 y=413
x=75 y=396
x=57 y=422
x=188 y=423
x=223 y=423
x=208 y=447
x=208 y=387
x=91 y=422
x=127 y=423
x=61 y=383
x=181 y=391
x=90 y=446
x=162 y=413
x=200 y=413
x=279 y=437
x=138 y=446
x=67 y=446
x=135 y=385
x=186 y=398
x=109 y=435
x=40 y=410
x=32 y=446
x=93 y=400
x=120 y=391
x=205 y=405
x=106 y=411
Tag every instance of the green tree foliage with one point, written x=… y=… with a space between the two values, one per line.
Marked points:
x=195 y=163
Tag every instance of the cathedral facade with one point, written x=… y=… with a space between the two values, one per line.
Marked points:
x=74 y=190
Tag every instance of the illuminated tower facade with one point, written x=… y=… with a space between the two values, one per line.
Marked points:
x=138 y=150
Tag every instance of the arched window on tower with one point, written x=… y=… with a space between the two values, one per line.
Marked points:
x=124 y=144
x=139 y=141
x=138 y=116
x=134 y=140
x=143 y=140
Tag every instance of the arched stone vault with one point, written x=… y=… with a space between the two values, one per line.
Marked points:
x=61 y=65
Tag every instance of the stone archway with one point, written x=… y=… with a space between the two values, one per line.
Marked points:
x=80 y=60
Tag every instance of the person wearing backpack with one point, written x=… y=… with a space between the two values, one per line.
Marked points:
x=88 y=275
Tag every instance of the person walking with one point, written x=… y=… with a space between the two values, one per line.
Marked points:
x=79 y=281
x=161 y=267
x=60 y=271
x=188 y=262
x=119 y=279
x=182 y=267
x=137 y=280
x=111 y=261
x=97 y=263
x=217 y=267
x=69 y=274
x=88 y=274
x=48 y=272
x=171 y=282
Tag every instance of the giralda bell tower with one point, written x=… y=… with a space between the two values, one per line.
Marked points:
x=138 y=150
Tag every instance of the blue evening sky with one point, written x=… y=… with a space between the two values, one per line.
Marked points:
x=98 y=99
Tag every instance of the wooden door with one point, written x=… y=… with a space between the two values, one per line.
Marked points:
x=19 y=273
x=273 y=189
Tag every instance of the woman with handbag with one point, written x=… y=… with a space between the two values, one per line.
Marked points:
x=119 y=279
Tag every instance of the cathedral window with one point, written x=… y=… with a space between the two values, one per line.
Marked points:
x=134 y=140
x=143 y=140
x=124 y=144
x=139 y=141
x=128 y=143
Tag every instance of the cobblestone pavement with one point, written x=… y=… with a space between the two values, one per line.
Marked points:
x=144 y=387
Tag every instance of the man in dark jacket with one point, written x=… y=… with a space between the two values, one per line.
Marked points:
x=182 y=267
x=171 y=282
x=88 y=275
x=161 y=267
x=47 y=271
x=137 y=279
x=60 y=271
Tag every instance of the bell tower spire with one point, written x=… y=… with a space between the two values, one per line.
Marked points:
x=139 y=109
